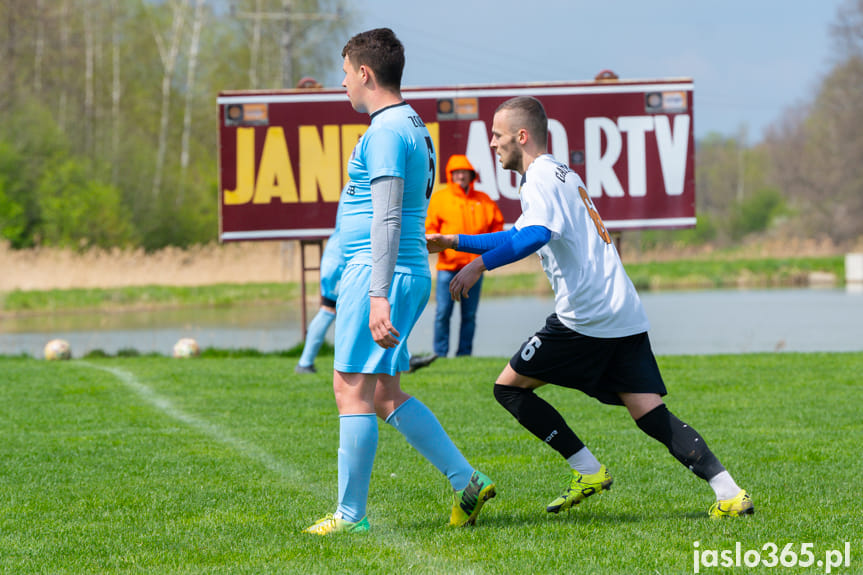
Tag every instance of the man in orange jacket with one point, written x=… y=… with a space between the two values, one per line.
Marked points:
x=458 y=208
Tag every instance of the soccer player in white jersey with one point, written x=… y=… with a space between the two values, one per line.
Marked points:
x=596 y=340
x=385 y=287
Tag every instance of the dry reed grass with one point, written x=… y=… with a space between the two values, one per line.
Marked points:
x=42 y=268
x=232 y=263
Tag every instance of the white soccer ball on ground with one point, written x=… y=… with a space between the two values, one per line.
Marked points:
x=186 y=347
x=57 y=349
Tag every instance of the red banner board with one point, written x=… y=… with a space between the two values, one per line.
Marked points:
x=283 y=154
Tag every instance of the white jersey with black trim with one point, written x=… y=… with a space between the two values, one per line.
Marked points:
x=593 y=295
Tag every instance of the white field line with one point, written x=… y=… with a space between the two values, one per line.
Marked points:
x=215 y=432
x=253 y=452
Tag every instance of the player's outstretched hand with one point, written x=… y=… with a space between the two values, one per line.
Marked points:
x=465 y=279
x=438 y=242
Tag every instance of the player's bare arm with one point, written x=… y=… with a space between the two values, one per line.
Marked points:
x=465 y=279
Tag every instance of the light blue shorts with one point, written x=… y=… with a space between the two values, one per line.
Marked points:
x=356 y=351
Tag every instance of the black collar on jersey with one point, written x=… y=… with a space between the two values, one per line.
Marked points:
x=402 y=103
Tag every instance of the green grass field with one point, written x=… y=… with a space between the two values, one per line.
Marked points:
x=215 y=465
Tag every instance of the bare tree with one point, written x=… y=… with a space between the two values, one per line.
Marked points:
x=257 y=23
x=848 y=29
x=836 y=140
x=64 y=55
x=194 y=43
x=116 y=89
x=89 y=66
x=300 y=26
x=168 y=53
x=817 y=152
x=40 y=48
x=717 y=177
x=8 y=78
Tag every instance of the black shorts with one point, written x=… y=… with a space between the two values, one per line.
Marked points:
x=600 y=367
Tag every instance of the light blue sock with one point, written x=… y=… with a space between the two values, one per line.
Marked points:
x=358 y=442
x=424 y=432
x=315 y=336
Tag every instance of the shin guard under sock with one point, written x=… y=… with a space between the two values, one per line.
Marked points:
x=683 y=442
x=358 y=442
x=424 y=432
x=539 y=417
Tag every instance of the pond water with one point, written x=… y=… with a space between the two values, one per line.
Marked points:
x=691 y=322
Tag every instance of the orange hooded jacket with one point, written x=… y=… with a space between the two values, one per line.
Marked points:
x=454 y=211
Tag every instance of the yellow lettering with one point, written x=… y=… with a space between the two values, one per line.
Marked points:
x=320 y=154
x=245 y=174
x=351 y=134
x=319 y=164
x=434 y=132
x=275 y=175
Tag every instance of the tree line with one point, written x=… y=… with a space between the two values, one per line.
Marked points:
x=109 y=134
x=805 y=178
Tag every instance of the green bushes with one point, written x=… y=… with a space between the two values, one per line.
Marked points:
x=755 y=213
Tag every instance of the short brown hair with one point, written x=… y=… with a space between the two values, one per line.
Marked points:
x=380 y=50
x=530 y=115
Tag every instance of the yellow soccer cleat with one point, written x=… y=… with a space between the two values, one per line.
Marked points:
x=580 y=488
x=740 y=504
x=333 y=523
x=468 y=501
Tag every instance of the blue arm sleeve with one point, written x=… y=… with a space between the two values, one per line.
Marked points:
x=481 y=243
x=523 y=243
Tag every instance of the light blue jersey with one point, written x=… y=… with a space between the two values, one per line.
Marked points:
x=333 y=259
x=396 y=144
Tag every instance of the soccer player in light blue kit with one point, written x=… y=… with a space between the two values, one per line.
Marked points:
x=385 y=287
x=332 y=266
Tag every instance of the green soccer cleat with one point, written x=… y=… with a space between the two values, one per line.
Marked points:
x=740 y=504
x=580 y=488
x=468 y=501
x=333 y=523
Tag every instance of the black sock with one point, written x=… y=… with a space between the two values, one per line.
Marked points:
x=682 y=441
x=539 y=417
